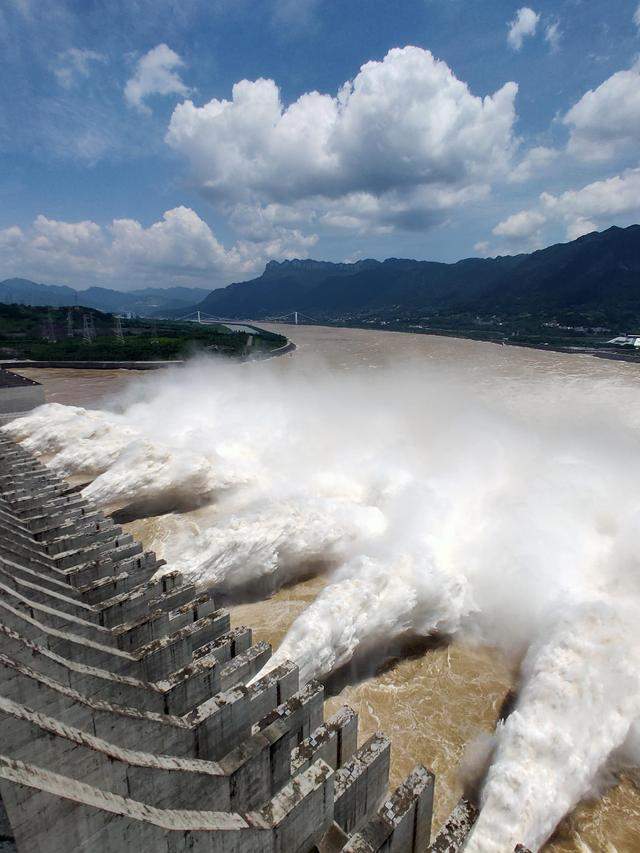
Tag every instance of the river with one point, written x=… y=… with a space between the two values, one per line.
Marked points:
x=433 y=702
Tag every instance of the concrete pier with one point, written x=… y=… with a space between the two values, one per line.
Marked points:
x=126 y=716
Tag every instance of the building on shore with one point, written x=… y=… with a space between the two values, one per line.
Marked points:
x=626 y=341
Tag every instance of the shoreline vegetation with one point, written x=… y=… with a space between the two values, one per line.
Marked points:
x=77 y=334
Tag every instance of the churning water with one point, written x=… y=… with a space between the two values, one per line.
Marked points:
x=472 y=511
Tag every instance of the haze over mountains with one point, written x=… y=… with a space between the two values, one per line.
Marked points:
x=598 y=274
x=145 y=302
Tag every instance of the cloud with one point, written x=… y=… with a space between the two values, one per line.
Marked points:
x=74 y=63
x=636 y=17
x=11 y=237
x=295 y=14
x=179 y=249
x=597 y=205
x=523 y=25
x=553 y=35
x=593 y=207
x=53 y=235
x=606 y=121
x=522 y=226
x=181 y=241
x=535 y=161
x=155 y=74
x=394 y=147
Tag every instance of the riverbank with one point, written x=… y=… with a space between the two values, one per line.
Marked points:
x=610 y=354
x=17 y=364
x=100 y=341
x=274 y=353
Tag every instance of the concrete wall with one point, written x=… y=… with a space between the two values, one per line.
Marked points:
x=21 y=398
x=92 y=365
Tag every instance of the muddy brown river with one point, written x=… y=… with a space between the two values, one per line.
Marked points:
x=433 y=702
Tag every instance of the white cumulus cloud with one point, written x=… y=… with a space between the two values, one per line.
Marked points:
x=524 y=225
x=533 y=163
x=523 y=25
x=10 y=237
x=597 y=205
x=636 y=17
x=606 y=120
x=178 y=249
x=157 y=73
x=593 y=207
x=395 y=146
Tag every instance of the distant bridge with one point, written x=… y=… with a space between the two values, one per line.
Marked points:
x=296 y=317
x=203 y=317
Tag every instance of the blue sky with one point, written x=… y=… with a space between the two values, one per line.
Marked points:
x=150 y=142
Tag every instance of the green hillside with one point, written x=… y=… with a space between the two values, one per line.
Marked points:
x=82 y=334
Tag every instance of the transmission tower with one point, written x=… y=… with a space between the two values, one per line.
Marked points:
x=88 y=329
x=48 y=331
x=70 y=331
x=117 y=329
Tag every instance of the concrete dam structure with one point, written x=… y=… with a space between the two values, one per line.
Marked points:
x=127 y=722
x=17 y=394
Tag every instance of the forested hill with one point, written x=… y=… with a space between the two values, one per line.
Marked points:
x=597 y=275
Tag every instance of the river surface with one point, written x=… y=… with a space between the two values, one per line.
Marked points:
x=430 y=703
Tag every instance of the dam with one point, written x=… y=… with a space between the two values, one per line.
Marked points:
x=430 y=705
x=127 y=720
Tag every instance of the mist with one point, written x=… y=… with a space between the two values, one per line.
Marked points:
x=447 y=502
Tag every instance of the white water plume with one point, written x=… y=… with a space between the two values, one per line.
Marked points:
x=371 y=600
x=77 y=440
x=144 y=471
x=501 y=509
x=273 y=546
x=580 y=696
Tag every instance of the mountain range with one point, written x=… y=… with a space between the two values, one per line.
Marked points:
x=146 y=302
x=596 y=277
x=597 y=274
